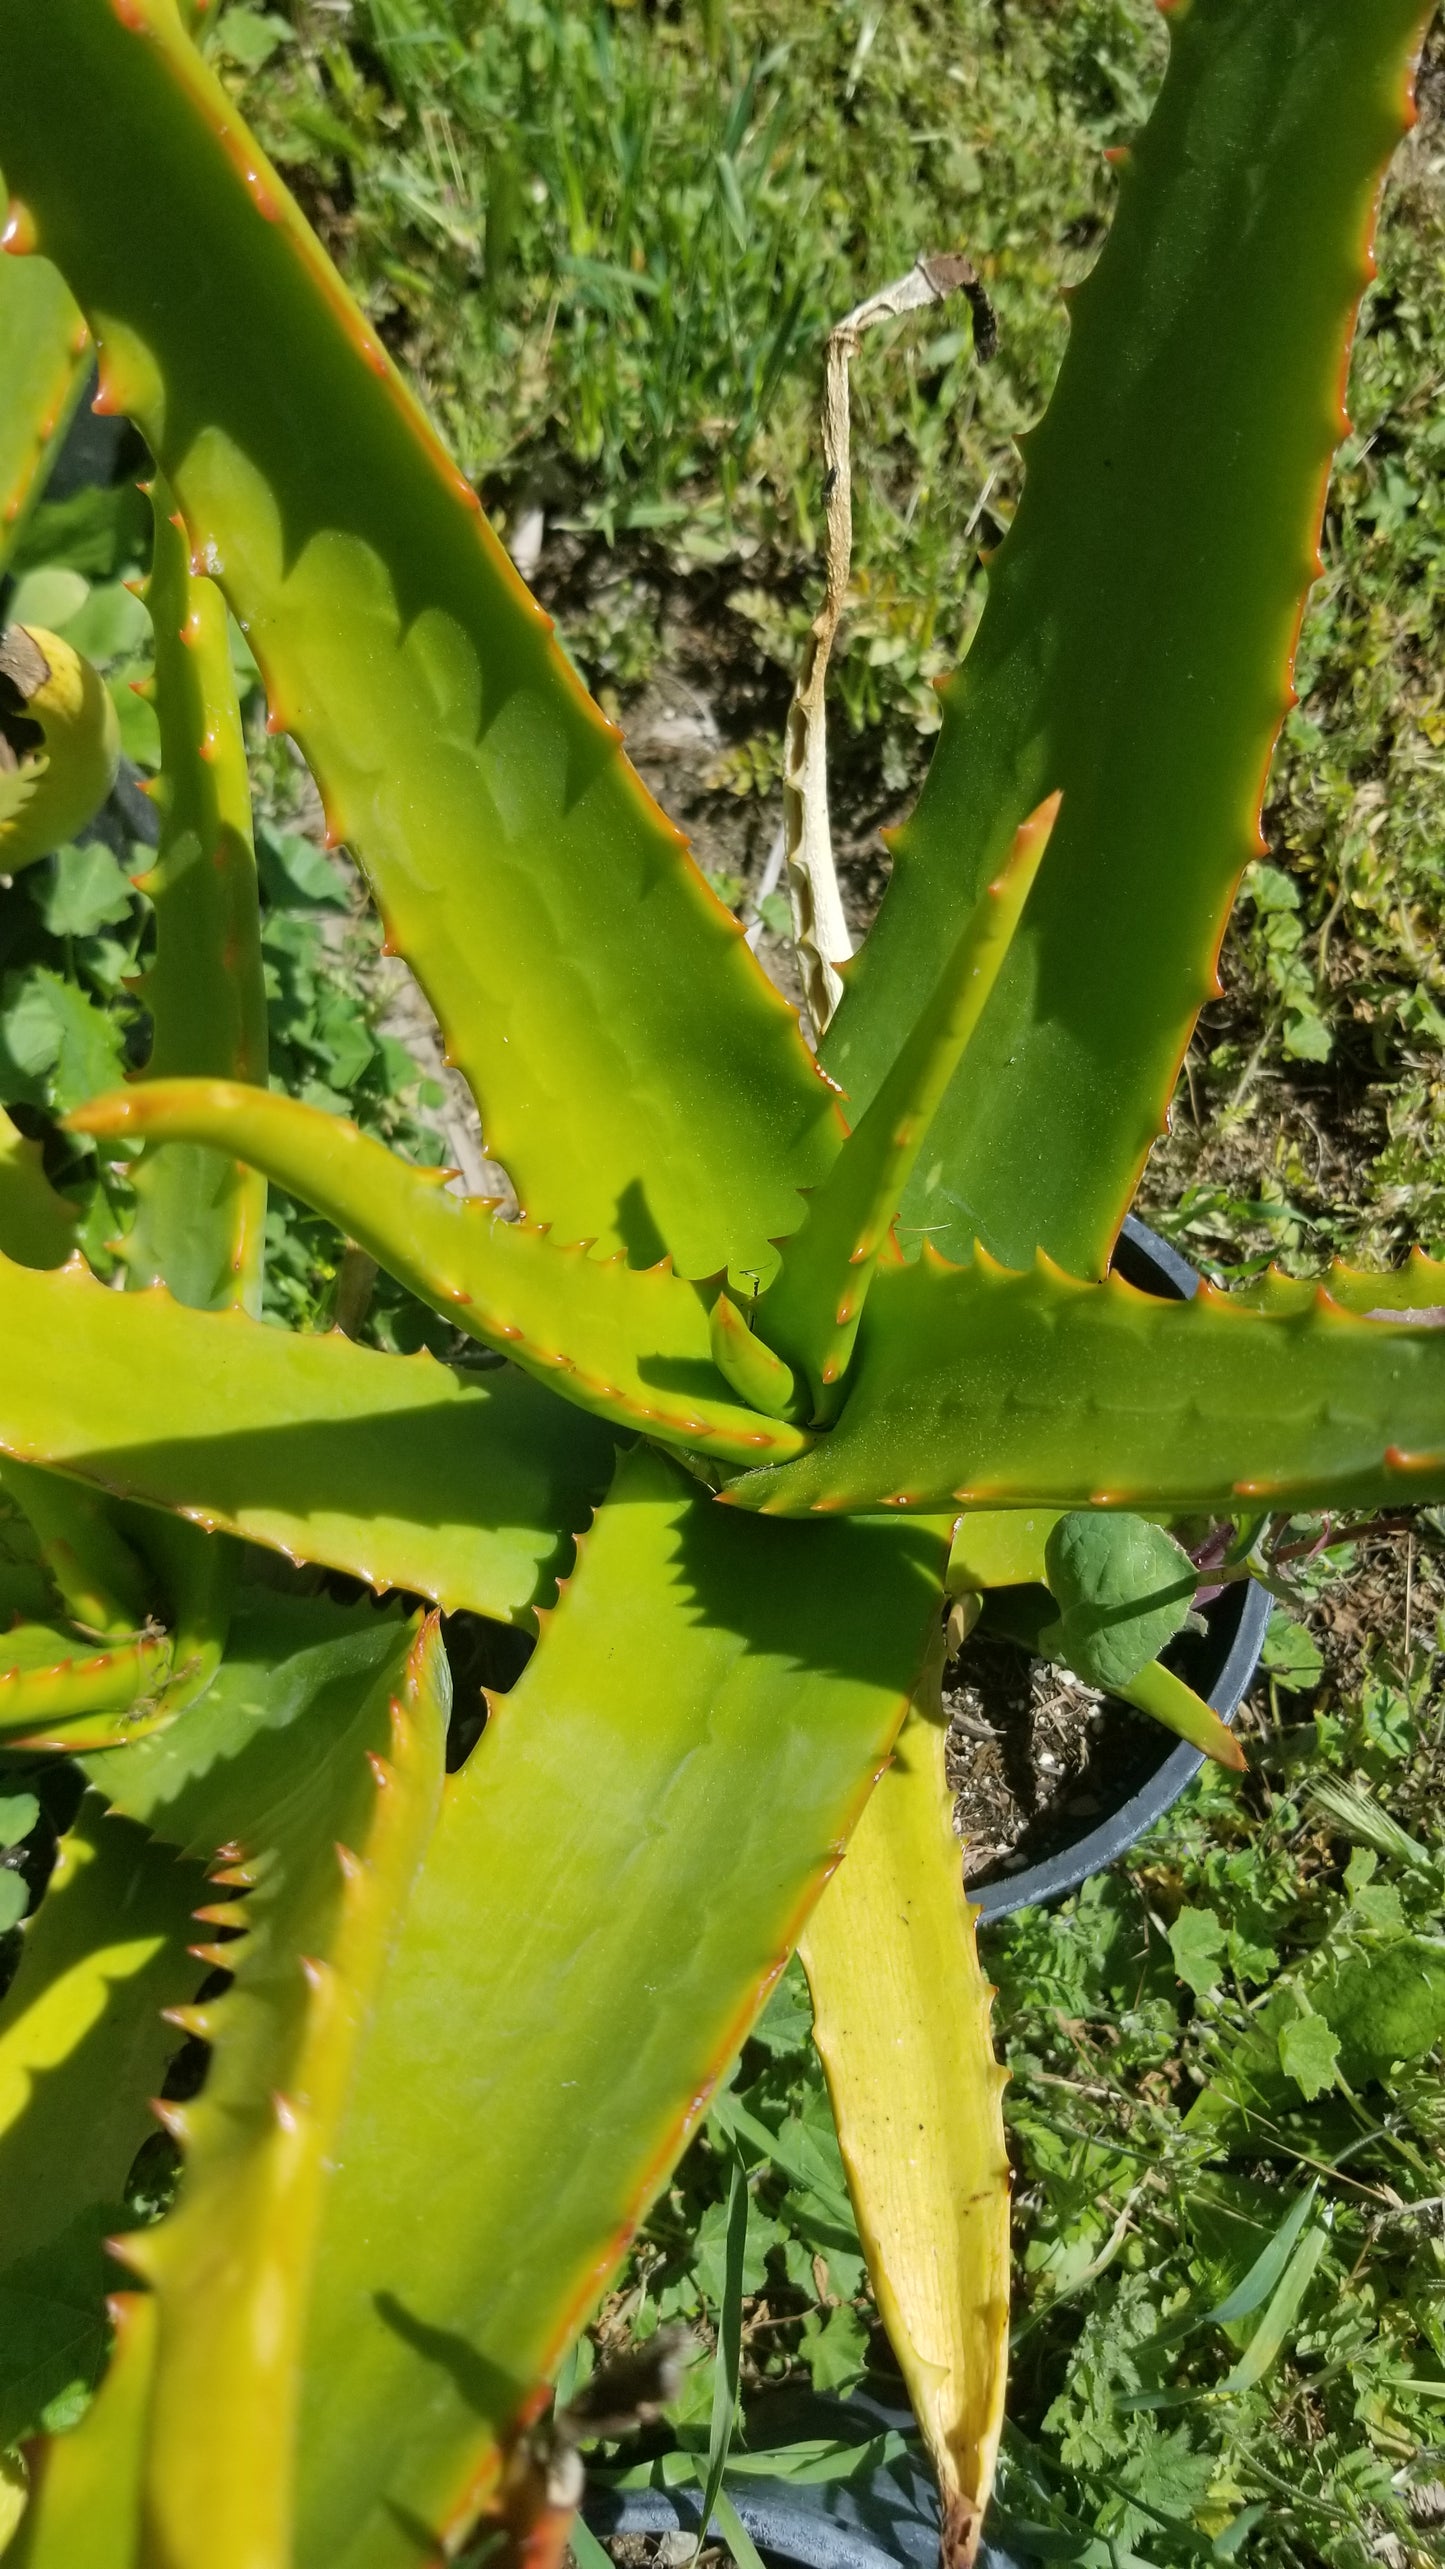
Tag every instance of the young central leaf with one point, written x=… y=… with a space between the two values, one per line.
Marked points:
x=812 y=1311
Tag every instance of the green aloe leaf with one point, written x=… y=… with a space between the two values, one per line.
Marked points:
x=37 y=1225
x=290 y=1661
x=545 y=2040
x=117 y=1672
x=82 y=2044
x=810 y=1312
x=44 y=351
x=1135 y=651
x=999 y=1548
x=1033 y=1390
x=628 y=1344
x=747 y=1362
x=200 y=1219
x=96 y=1573
x=637 y=1076
x=333 y=1808
x=83 y=2050
x=84 y=2510
x=57 y=1692
x=406 y=1473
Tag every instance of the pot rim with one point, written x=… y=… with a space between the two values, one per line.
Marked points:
x=884 y=2522
x=1112 y=1837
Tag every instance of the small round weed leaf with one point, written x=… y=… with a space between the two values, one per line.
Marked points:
x=1123 y=1587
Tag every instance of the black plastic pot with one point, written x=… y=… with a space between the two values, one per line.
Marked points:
x=833 y=2526
x=1227 y=1659
x=879 y=2523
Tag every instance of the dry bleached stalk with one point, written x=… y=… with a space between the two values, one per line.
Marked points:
x=820 y=931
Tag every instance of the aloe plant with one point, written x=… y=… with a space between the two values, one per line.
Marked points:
x=782 y=1352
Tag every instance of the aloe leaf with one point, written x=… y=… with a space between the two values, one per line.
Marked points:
x=56 y=1692
x=1155 y=1690
x=1417 y=1288
x=999 y=1548
x=330 y=1849
x=627 y=1344
x=748 y=1362
x=84 y=2510
x=200 y=1219
x=290 y=1662
x=83 y=2047
x=901 y=2019
x=811 y=1310
x=27 y=1594
x=198 y=1573
x=37 y=1225
x=1033 y=1390
x=59 y=1693
x=44 y=347
x=544 y=2042
x=49 y=792
x=637 y=1076
x=406 y=1473
x=96 y=1572
x=1167 y=528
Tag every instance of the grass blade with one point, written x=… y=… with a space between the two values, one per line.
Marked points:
x=729 y=2346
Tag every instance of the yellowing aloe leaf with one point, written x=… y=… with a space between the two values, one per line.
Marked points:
x=84 y=2510
x=618 y=1874
x=1157 y=1691
x=58 y=787
x=901 y=2019
x=629 y=1345
x=461 y=1487
x=1417 y=1288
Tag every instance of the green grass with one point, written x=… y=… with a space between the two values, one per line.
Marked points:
x=608 y=251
